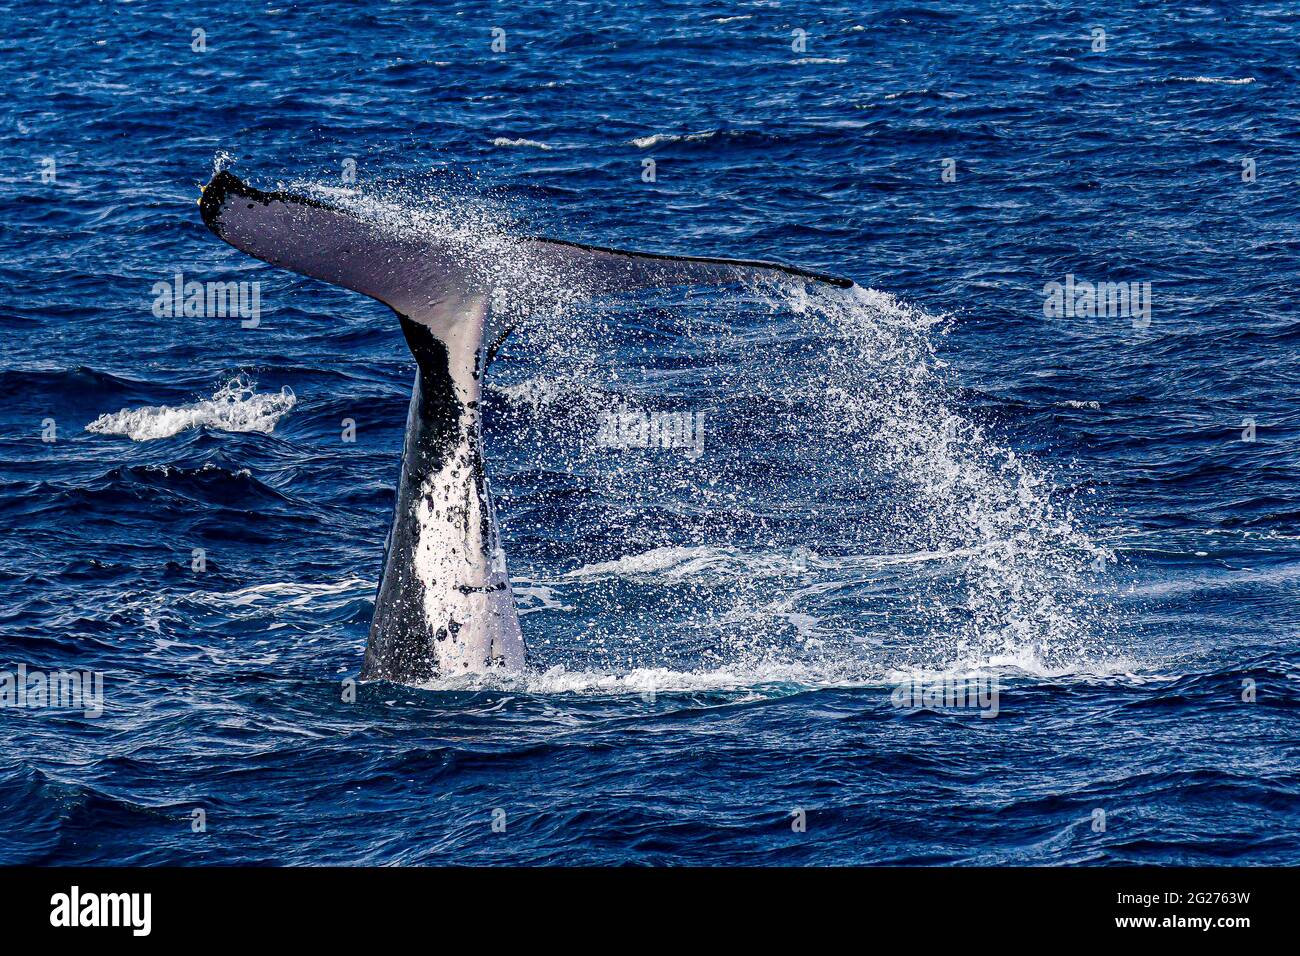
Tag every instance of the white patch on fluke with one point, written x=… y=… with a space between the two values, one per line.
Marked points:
x=473 y=619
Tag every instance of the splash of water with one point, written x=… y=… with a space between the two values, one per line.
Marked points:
x=223 y=160
x=1022 y=590
x=926 y=541
x=941 y=549
x=234 y=407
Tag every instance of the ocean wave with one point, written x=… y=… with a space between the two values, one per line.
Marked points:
x=927 y=92
x=658 y=139
x=752 y=683
x=534 y=144
x=82 y=380
x=677 y=562
x=1221 y=80
x=235 y=407
x=768 y=679
x=291 y=594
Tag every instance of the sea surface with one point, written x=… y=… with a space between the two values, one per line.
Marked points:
x=939 y=479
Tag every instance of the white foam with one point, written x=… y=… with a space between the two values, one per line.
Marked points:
x=678 y=562
x=531 y=143
x=1013 y=667
x=531 y=597
x=775 y=679
x=235 y=407
x=1221 y=80
x=753 y=682
x=673 y=562
x=646 y=142
x=289 y=593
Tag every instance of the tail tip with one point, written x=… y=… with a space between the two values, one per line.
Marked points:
x=214 y=195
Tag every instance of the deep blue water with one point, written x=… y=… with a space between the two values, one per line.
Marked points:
x=934 y=480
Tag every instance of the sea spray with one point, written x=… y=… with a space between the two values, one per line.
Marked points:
x=1022 y=589
x=966 y=553
x=236 y=406
x=839 y=451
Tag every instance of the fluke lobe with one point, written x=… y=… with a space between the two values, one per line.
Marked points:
x=444 y=605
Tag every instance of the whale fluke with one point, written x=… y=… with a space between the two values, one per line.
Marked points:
x=444 y=604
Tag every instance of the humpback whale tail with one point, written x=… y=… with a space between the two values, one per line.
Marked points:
x=444 y=604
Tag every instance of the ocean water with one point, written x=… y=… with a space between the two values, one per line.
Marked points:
x=934 y=480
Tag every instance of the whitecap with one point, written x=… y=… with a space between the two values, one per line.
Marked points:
x=676 y=562
x=645 y=142
x=235 y=407
x=289 y=593
x=1221 y=80
x=504 y=141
